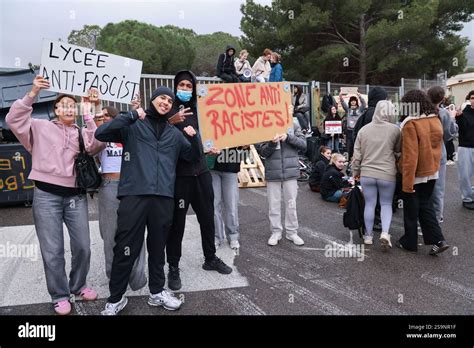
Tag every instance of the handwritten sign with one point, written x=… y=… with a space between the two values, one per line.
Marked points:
x=236 y=114
x=333 y=127
x=74 y=70
x=349 y=90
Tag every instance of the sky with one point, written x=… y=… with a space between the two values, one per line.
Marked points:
x=24 y=23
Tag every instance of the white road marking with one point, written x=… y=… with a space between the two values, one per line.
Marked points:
x=450 y=285
x=240 y=303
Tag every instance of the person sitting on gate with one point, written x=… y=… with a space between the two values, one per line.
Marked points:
x=301 y=105
x=319 y=167
x=243 y=67
x=276 y=75
x=54 y=145
x=333 y=182
x=281 y=172
x=261 y=68
x=225 y=65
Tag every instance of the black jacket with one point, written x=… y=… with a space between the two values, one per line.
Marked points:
x=466 y=127
x=225 y=63
x=148 y=164
x=318 y=170
x=229 y=160
x=376 y=94
x=185 y=168
x=332 y=181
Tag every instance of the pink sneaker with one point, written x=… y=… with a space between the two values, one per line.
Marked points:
x=63 y=307
x=88 y=294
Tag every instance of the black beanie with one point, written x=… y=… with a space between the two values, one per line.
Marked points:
x=184 y=76
x=160 y=91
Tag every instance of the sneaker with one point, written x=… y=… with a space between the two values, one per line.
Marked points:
x=450 y=163
x=399 y=245
x=439 y=248
x=385 y=241
x=88 y=294
x=234 y=244
x=295 y=239
x=440 y=220
x=468 y=205
x=115 y=308
x=274 y=239
x=174 y=280
x=217 y=265
x=62 y=307
x=368 y=240
x=165 y=299
x=419 y=231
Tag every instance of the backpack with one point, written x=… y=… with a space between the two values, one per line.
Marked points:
x=327 y=102
x=353 y=218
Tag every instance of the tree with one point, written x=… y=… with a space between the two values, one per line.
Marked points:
x=86 y=37
x=360 y=41
x=161 y=50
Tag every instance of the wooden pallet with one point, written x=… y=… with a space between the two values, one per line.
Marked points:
x=252 y=171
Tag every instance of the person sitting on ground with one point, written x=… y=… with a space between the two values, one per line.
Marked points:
x=276 y=75
x=333 y=182
x=242 y=65
x=319 y=166
x=225 y=66
x=261 y=68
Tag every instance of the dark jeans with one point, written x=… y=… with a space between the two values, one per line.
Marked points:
x=350 y=142
x=303 y=119
x=229 y=78
x=134 y=214
x=418 y=206
x=242 y=78
x=197 y=191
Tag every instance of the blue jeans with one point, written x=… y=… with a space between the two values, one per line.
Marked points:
x=49 y=213
x=466 y=171
x=333 y=144
x=336 y=197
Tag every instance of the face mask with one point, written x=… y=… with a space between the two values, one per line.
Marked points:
x=184 y=96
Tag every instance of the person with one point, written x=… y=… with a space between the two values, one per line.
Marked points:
x=422 y=137
x=53 y=146
x=465 y=121
x=376 y=150
x=450 y=129
x=242 y=65
x=225 y=66
x=301 y=107
x=226 y=195
x=276 y=74
x=319 y=166
x=261 y=68
x=151 y=148
x=281 y=173
x=332 y=139
x=353 y=112
x=193 y=187
x=333 y=182
x=110 y=160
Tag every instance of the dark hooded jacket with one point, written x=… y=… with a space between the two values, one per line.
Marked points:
x=332 y=180
x=225 y=63
x=318 y=170
x=465 y=122
x=185 y=168
x=376 y=94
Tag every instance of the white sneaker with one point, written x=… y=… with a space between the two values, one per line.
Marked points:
x=450 y=163
x=234 y=244
x=274 y=239
x=165 y=299
x=385 y=241
x=115 y=308
x=295 y=239
x=368 y=240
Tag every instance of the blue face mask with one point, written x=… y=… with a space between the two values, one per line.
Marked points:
x=184 y=96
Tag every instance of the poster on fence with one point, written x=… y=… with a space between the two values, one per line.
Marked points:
x=74 y=70
x=333 y=127
x=236 y=114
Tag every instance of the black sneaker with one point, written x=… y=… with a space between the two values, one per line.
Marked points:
x=439 y=248
x=468 y=205
x=217 y=265
x=174 y=281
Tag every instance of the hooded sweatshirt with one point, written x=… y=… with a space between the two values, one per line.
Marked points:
x=261 y=67
x=465 y=122
x=52 y=145
x=318 y=170
x=225 y=63
x=185 y=168
x=377 y=145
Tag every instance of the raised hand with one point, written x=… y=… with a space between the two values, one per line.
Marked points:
x=180 y=116
x=39 y=83
x=190 y=131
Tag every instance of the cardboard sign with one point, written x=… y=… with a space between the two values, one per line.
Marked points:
x=333 y=127
x=236 y=114
x=349 y=90
x=74 y=70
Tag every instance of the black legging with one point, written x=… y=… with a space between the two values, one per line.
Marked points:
x=449 y=150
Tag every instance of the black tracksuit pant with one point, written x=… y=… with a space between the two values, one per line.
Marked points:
x=419 y=206
x=134 y=214
x=197 y=191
